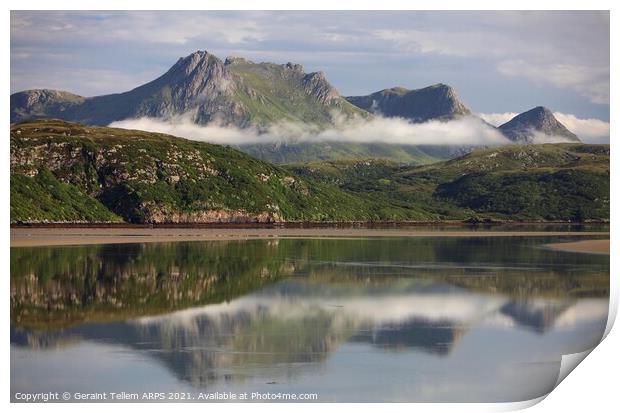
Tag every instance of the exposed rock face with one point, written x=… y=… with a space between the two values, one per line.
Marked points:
x=434 y=102
x=160 y=216
x=316 y=85
x=198 y=82
x=537 y=125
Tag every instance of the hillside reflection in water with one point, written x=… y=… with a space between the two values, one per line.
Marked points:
x=379 y=319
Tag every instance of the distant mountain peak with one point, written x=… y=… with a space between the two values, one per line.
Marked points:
x=200 y=72
x=190 y=63
x=536 y=124
x=439 y=101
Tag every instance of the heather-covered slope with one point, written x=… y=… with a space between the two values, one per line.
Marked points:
x=565 y=182
x=149 y=177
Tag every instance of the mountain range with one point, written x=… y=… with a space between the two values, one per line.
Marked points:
x=241 y=93
x=65 y=171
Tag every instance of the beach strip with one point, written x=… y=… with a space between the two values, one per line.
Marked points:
x=31 y=237
x=593 y=246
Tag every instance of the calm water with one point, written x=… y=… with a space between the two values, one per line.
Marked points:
x=399 y=319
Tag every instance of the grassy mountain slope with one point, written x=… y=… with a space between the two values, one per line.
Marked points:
x=274 y=93
x=329 y=151
x=44 y=198
x=550 y=181
x=533 y=182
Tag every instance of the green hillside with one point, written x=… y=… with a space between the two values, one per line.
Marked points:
x=518 y=182
x=284 y=152
x=66 y=172
x=44 y=198
x=272 y=93
x=150 y=177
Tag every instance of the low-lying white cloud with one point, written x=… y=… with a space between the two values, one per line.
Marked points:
x=588 y=130
x=463 y=131
x=497 y=119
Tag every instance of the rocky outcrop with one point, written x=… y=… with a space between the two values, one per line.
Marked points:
x=317 y=86
x=157 y=215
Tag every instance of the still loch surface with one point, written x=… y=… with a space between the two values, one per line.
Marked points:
x=375 y=319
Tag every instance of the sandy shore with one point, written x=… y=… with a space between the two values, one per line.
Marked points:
x=595 y=246
x=30 y=237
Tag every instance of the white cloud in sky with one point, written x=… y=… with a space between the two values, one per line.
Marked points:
x=97 y=79
x=497 y=119
x=464 y=43
x=567 y=50
x=464 y=131
x=537 y=54
x=588 y=130
x=148 y=27
x=589 y=81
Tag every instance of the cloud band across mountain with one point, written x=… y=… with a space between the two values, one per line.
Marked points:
x=462 y=131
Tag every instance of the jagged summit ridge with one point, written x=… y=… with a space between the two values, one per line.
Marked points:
x=536 y=124
x=204 y=88
x=316 y=84
x=199 y=73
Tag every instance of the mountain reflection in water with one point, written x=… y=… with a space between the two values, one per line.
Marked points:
x=305 y=314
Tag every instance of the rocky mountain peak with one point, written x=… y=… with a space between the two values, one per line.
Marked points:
x=189 y=63
x=199 y=74
x=448 y=96
x=535 y=124
x=439 y=101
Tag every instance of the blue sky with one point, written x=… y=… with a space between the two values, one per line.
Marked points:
x=499 y=62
